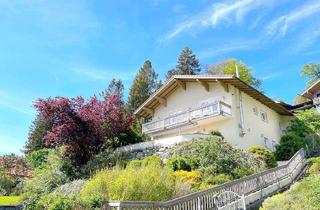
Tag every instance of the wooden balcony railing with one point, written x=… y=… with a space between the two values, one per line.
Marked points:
x=186 y=117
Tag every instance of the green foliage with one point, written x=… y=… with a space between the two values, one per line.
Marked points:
x=193 y=178
x=314 y=164
x=38 y=158
x=115 y=87
x=302 y=131
x=289 y=144
x=144 y=84
x=187 y=64
x=229 y=67
x=37 y=132
x=7 y=184
x=151 y=182
x=56 y=201
x=218 y=179
x=106 y=158
x=311 y=72
x=300 y=99
x=303 y=195
x=265 y=154
x=44 y=179
x=238 y=173
x=10 y=200
x=215 y=156
x=178 y=163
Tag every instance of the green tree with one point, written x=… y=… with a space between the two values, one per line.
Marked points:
x=229 y=67
x=311 y=72
x=300 y=99
x=302 y=131
x=145 y=83
x=187 y=64
x=115 y=87
x=38 y=130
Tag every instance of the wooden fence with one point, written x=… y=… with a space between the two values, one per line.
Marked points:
x=273 y=179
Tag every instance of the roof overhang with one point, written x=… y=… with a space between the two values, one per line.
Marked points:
x=179 y=81
x=310 y=91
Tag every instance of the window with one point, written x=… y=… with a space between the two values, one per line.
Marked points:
x=255 y=110
x=264 y=116
x=318 y=95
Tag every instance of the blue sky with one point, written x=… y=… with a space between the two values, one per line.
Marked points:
x=75 y=47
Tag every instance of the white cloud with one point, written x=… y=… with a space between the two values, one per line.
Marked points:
x=101 y=74
x=271 y=76
x=16 y=103
x=282 y=24
x=223 y=50
x=233 y=11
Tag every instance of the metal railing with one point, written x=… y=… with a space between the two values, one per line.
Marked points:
x=204 y=200
x=186 y=117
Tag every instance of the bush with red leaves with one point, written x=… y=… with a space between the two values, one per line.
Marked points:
x=85 y=125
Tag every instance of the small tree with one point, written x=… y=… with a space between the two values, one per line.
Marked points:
x=187 y=64
x=311 y=72
x=229 y=67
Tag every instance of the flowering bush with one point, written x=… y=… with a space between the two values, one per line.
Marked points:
x=85 y=125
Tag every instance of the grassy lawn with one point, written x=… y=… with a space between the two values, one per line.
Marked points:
x=9 y=200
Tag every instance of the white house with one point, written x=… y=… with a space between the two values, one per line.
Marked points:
x=191 y=105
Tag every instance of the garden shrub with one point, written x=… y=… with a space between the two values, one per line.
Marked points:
x=238 y=173
x=7 y=184
x=215 y=156
x=267 y=156
x=44 y=179
x=105 y=159
x=182 y=188
x=38 y=158
x=151 y=181
x=314 y=165
x=151 y=161
x=218 y=179
x=289 y=144
x=56 y=201
x=191 y=177
x=178 y=163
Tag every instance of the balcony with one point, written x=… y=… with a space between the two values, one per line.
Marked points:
x=188 y=117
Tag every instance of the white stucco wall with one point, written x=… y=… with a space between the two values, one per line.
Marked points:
x=256 y=130
x=182 y=100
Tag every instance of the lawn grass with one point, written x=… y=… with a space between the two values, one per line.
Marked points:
x=9 y=200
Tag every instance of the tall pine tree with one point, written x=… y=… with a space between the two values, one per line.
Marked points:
x=187 y=64
x=115 y=87
x=145 y=83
